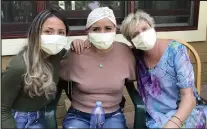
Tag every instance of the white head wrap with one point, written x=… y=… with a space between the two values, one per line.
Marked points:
x=98 y=14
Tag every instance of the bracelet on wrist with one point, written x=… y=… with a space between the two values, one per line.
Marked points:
x=178 y=119
x=175 y=123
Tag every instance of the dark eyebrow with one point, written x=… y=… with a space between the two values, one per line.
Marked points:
x=109 y=26
x=52 y=28
x=47 y=28
x=95 y=27
x=99 y=27
x=62 y=29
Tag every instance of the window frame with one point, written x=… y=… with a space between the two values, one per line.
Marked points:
x=84 y=13
x=20 y=33
x=173 y=12
x=128 y=8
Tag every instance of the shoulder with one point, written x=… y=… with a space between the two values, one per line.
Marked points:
x=70 y=57
x=176 y=45
x=75 y=56
x=177 y=50
x=69 y=54
x=16 y=65
x=124 y=51
x=122 y=47
x=121 y=44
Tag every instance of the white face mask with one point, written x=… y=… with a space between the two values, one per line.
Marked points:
x=146 y=40
x=53 y=44
x=102 y=40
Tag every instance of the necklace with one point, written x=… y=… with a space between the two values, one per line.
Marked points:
x=100 y=65
x=150 y=69
x=102 y=54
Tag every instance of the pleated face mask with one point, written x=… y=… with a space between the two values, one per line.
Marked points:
x=53 y=44
x=145 y=40
x=102 y=40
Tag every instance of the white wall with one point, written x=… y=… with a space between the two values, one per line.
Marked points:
x=13 y=46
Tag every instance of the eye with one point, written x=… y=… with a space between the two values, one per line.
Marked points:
x=144 y=29
x=62 y=33
x=95 y=29
x=48 y=32
x=108 y=29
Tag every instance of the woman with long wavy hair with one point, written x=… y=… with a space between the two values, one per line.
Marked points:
x=30 y=82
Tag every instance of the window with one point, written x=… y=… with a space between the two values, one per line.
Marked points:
x=175 y=15
x=16 y=17
x=169 y=15
x=77 y=12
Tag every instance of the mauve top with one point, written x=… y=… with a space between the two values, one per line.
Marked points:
x=93 y=82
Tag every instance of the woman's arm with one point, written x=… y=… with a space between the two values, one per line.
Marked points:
x=187 y=103
x=186 y=106
x=11 y=85
x=185 y=77
x=78 y=45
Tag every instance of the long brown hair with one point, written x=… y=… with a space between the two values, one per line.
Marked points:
x=38 y=78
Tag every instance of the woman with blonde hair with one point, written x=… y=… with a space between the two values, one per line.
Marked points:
x=166 y=76
x=29 y=84
x=99 y=73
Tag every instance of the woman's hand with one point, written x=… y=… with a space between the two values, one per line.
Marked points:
x=79 y=45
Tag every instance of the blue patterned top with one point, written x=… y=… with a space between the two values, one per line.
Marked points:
x=160 y=86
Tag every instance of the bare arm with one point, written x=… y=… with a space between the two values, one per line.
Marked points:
x=185 y=82
x=186 y=106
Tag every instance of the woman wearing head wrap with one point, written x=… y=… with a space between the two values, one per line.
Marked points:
x=99 y=73
x=166 y=80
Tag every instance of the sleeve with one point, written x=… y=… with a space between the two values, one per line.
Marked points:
x=11 y=85
x=183 y=67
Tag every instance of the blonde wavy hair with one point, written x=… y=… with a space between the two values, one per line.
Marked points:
x=132 y=20
x=38 y=79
